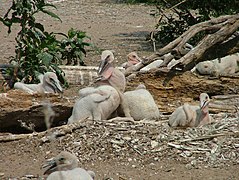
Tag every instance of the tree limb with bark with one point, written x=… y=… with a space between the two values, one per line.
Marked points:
x=221 y=38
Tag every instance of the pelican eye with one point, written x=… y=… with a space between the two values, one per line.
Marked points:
x=107 y=57
x=61 y=159
x=52 y=80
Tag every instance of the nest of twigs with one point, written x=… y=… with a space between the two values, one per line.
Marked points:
x=212 y=145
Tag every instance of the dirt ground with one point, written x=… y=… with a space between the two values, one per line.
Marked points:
x=124 y=150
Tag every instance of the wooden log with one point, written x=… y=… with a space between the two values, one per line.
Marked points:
x=198 y=54
x=181 y=40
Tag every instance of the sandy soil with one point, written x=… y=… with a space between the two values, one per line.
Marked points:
x=122 y=28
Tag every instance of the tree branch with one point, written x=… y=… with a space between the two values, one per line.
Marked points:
x=217 y=40
x=206 y=48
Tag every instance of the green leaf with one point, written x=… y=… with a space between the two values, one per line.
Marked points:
x=51 y=14
x=61 y=34
x=73 y=45
x=71 y=33
x=6 y=22
x=45 y=58
x=86 y=44
x=83 y=50
x=81 y=34
x=39 y=26
x=50 y=5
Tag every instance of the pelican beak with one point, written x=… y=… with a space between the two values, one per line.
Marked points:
x=50 y=166
x=136 y=60
x=56 y=85
x=139 y=59
x=103 y=64
x=204 y=103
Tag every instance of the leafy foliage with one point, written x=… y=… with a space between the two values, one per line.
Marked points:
x=73 y=46
x=38 y=51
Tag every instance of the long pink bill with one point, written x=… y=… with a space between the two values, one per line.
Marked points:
x=204 y=104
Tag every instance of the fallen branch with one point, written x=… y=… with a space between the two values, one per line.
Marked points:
x=223 y=97
x=210 y=137
x=188 y=34
x=221 y=40
x=120 y=119
x=182 y=147
x=221 y=107
x=136 y=150
x=198 y=54
x=69 y=128
x=14 y=137
x=160 y=88
x=56 y=131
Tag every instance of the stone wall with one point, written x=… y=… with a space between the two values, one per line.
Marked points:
x=81 y=75
x=75 y=75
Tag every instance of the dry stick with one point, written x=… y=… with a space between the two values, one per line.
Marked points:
x=174 y=8
x=177 y=4
x=145 y=121
x=124 y=119
x=153 y=41
x=209 y=137
x=121 y=178
x=221 y=107
x=160 y=88
x=57 y=131
x=208 y=24
x=13 y=137
x=177 y=146
x=162 y=14
x=65 y=129
x=176 y=11
x=222 y=97
x=129 y=119
x=234 y=76
x=136 y=150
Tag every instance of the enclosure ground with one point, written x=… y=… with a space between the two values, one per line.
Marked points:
x=122 y=28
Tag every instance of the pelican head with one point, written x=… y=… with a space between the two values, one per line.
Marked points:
x=50 y=79
x=133 y=58
x=63 y=161
x=107 y=58
x=204 y=100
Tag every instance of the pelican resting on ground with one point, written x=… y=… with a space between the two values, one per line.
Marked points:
x=96 y=106
x=141 y=104
x=224 y=66
x=49 y=83
x=65 y=167
x=132 y=59
x=97 y=103
x=191 y=116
